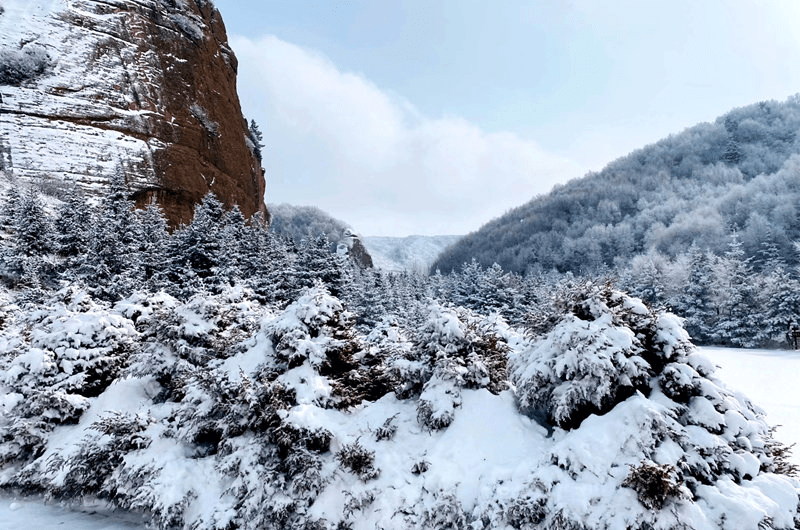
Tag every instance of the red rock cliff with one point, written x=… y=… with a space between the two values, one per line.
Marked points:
x=142 y=88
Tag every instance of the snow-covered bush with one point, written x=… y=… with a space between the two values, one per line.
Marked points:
x=445 y=512
x=70 y=350
x=108 y=440
x=20 y=65
x=358 y=460
x=655 y=484
x=454 y=349
x=598 y=355
x=224 y=413
x=612 y=350
x=316 y=332
x=527 y=510
x=387 y=430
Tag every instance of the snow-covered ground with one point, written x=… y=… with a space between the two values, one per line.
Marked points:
x=770 y=379
x=767 y=377
x=36 y=515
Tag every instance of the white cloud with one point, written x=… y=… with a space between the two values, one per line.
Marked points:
x=337 y=141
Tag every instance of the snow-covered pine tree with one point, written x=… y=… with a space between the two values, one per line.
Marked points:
x=367 y=298
x=316 y=262
x=695 y=302
x=257 y=138
x=153 y=246
x=646 y=277
x=111 y=264
x=10 y=203
x=32 y=228
x=194 y=249
x=233 y=237
x=467 y=286
x=71 y=225
x=734 y=297
x=777 y=297
x=27 y=261
x=269 y=264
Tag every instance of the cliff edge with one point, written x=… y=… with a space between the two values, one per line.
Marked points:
x=143 y=89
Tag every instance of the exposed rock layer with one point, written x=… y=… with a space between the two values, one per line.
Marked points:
x=145 y=89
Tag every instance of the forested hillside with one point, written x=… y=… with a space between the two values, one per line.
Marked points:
x=300 y=222
x=740 y=173
x=222 y=376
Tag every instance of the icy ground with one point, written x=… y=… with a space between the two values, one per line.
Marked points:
x=768 y=377
x=35 y=515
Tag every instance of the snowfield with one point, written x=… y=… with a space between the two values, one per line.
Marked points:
x=770 y=379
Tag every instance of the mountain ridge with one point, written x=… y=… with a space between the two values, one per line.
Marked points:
x=739 y=172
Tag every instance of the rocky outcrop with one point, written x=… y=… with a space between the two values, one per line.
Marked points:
x=144 y=89
x=357 y=251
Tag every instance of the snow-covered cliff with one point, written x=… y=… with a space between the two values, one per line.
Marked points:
x=145 y=89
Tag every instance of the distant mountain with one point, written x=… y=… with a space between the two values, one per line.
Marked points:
x=300 y=222
x=412 y=253
x=740 y=173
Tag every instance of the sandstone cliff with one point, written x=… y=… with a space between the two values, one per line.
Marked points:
x=145 y=89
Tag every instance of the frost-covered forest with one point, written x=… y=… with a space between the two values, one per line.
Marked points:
x=221 y=376
x=739 y=174
x=301 y=222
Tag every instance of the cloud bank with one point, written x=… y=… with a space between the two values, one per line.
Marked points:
x=337 y=141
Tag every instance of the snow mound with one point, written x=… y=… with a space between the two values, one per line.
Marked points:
x=219 y=412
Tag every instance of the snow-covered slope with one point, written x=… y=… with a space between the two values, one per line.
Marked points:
x=412 y=253
x=766 y=375
x=218 y=412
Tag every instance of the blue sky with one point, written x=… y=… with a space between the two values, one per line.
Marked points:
x=434 y=117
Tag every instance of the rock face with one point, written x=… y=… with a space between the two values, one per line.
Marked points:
x=357 y=251
x=143 y=89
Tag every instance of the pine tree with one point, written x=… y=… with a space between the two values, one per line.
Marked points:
x=734 y=297
x=153 y=246
x=367 y=298
x=467 y=286
x=195 y=248
x=111 y=264
x=695 y=303
x=32 y=229
x=71 y=225
x=232 y=238
x=10 y=202
x=316 y=262
x=258 y=138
